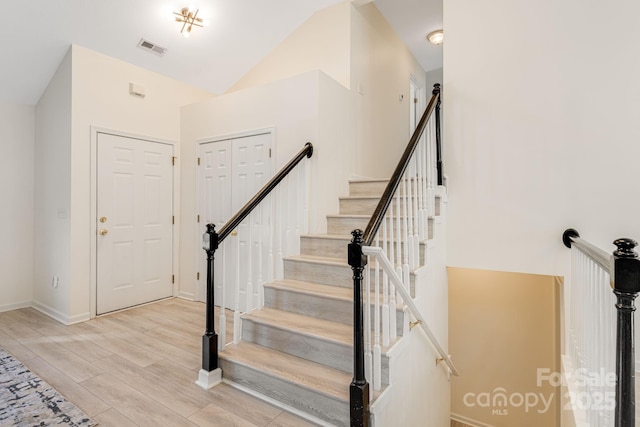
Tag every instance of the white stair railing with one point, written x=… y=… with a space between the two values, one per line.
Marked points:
x=391 y=244
x=591 y=340
x=269 y=229
x=382 y=262
x=261 y=226
x=600 y=373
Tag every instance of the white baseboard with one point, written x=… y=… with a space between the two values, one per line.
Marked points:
x=15 y=306
x=468 y=421
x=60 y=317
x=186 y=295
x=379 y=405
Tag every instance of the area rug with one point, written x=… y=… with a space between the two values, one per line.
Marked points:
x=27 y=400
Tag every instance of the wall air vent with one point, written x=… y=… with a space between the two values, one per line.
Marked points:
x=152 y=47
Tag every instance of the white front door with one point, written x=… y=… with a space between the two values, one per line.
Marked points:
x=232 y=171
x=134 y=222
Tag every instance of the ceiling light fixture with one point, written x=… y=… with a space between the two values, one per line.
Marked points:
x=189 y=18
x=436 y=37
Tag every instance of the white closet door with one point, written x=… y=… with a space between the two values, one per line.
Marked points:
x=232 y=171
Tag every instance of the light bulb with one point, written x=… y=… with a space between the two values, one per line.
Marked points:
x=436 y=37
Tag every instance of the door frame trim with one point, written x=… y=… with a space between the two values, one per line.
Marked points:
x=93 y=199
x=198 y=286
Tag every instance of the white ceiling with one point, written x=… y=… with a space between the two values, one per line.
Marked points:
x=38 y=33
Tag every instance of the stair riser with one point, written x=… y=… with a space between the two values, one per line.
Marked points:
x=366 y=206
x=318 y=306
x=345 y=225
x=333 y=275
x=336 y=248
x=367 y=188
x=324 y=407
x=370 y=188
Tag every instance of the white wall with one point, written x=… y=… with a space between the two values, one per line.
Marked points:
x=541 y=124
x=433 y=77
x=309 y=107
x=89 y=89
x=357 y=47
x=17 y=192
x=101 y=98
x=53 y=193
x=381 y=71
x=321 y=43
x=541 y=130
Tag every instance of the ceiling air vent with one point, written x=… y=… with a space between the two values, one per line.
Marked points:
x=152 y=47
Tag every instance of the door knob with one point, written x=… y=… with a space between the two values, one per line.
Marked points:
x=103 y=219
x=103 y=232
x=234 y=233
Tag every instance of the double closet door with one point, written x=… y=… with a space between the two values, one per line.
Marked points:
x=231 y=172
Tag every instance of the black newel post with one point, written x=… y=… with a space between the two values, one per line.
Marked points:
x=359 y=389
x=210 y=338
x=626 y=278
x=436 y=91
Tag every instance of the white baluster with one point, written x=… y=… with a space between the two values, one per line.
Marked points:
x=416 y=226
x=423 y=182
x=420 y=204
x=260 y=261
x=385 y=287
x=392 y=293
x=249 y=288
x=222 y=321
x=307 y=194
x=377 y=352
x=279 y=263
x=368 y=363
x=408 y=216
x=270 y=255
x=299 y=209
x=398 y=231
x=405 y=235
x=237 y=331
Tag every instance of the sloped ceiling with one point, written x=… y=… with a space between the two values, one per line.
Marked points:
x=36 y=34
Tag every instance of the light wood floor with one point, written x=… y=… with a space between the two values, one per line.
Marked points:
x=134 y=368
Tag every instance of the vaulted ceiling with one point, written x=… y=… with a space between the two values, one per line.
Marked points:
x=36 y=34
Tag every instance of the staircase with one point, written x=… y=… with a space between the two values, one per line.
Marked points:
x=298 y=349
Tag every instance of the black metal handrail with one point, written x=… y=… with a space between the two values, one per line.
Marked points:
x=623 y=267
x=212 y=240
x=229 y=226
x=359 y=388
x=387 y=196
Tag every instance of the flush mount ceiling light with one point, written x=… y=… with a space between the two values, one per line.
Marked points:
x=189 y=18
x=436 y=37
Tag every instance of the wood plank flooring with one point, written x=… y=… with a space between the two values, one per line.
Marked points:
x=135 y=368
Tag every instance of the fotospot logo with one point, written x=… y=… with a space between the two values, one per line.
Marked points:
x=500 y=401
x=596 y=393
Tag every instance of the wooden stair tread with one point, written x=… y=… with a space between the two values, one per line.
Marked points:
x=358 y=216
x=304 y=373
x=327 y=236
x=343 y=237
x=311 y=288
x=311 y=326
x=368 y=180
x=341 y=262
x=318 y=260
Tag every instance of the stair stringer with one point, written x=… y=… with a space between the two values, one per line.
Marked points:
x=419 y=388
